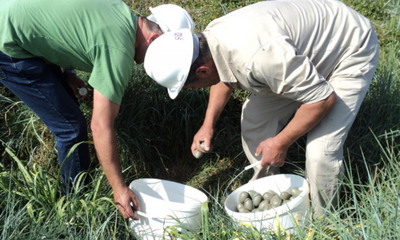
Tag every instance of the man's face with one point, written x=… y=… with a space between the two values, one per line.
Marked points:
x=205 y=76
x=201 y=82
x=140 y=53
x=143 y=44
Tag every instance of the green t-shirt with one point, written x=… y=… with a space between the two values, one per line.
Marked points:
x=96 y=36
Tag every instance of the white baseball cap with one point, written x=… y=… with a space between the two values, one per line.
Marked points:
x=171 y=17
x=169 y=58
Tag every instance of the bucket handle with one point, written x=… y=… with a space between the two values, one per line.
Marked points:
x=142 y=214
x=245 y=169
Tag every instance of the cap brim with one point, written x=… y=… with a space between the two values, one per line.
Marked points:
x=153 y=18
x=170 y=73
x=173 y=92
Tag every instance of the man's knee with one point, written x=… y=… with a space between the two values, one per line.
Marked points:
x=325 y=159
x=72 y=130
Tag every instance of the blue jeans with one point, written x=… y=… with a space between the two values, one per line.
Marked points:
x=42 y=88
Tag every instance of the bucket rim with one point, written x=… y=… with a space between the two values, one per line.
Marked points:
x=201 y=197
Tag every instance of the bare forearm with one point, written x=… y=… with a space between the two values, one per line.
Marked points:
x=219 y=97
x=105 y=140
x=106 y=147
x=305 y=119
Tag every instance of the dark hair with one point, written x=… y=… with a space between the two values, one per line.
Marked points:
x=204 y=56
x=152 y=26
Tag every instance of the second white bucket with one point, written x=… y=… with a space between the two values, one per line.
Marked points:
x=287 y=216
x=165 y=203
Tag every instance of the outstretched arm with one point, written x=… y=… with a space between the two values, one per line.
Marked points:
x=273 y=150
x=219 y=96
x=105 y=142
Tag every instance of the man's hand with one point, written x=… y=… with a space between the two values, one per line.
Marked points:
x=126 y=202
x=219 y=96
x=273 y=152
x=203 y=136
x=77 y=85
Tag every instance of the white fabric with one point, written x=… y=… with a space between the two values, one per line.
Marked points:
x=299 y=42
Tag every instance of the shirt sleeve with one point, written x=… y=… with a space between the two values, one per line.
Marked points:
x=287 y=72
x=112 y=70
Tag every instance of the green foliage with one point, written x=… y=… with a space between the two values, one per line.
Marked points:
x=32 y=207
x=21 y=130
x=372 y=9
x=202 y=12
x=385 y=16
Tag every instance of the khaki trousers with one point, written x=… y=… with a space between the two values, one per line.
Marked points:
x=263 y=116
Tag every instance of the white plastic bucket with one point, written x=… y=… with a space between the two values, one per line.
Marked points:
x=165 y=203
x=287 y=216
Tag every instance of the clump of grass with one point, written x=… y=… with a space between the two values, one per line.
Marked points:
x=370 y=209
x=20 y=129
x=32 y=207
x=202 y=11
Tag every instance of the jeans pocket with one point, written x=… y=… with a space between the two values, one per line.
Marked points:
x=30 y=66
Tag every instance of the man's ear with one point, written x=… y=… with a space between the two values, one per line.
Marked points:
x=153 y=36
x=203 y=71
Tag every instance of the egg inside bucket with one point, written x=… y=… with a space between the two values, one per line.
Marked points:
x=287 y=216
x=165 y=203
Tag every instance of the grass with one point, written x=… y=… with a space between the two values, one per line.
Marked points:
x=155 y=134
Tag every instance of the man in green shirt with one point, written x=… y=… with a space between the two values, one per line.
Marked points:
x=41 y=40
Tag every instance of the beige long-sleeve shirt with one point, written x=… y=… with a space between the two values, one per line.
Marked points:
x=288 y=47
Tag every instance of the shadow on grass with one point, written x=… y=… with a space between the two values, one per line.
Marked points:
x=155 y=133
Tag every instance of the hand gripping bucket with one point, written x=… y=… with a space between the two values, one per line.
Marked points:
x=288 y=216
x=165 y=203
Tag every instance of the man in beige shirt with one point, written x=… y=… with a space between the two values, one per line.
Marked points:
x=307 y=65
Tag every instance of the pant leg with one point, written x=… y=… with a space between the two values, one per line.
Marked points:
x=324 y=150
x=263 y=116
x=40 y=86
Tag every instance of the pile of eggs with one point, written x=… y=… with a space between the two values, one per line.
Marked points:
x=252 y=201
